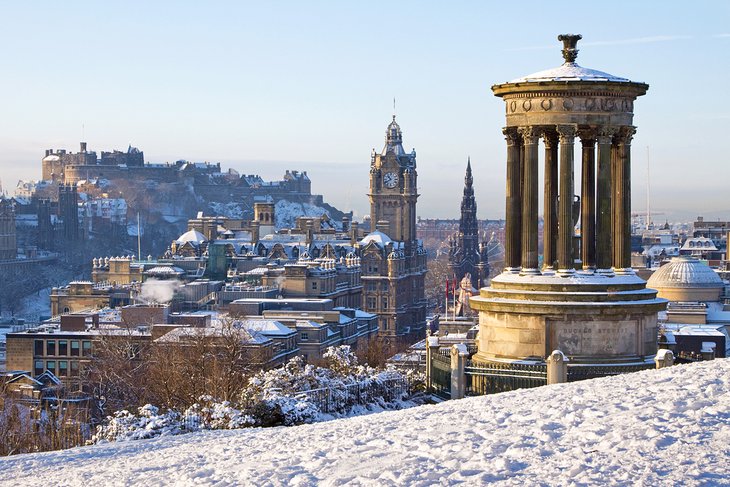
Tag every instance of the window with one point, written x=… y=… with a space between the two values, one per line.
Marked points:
x=86 y=345
x=38 y=367
x=38 y=350
x=372 y=286
x=74 y=348
x=385 y=302
x=385 y=286
x=371 y=303
x=314 y=284
x=51 y=347
x=304 y=336
x=62 y=368
x=63 y=347
x=74 y=368
x=51 y=366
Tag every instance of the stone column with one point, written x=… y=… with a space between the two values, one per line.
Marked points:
x=588 y=200
x=432 y=348
x=530 y=139
x=550 y=199
x=604 y=235
x=557 y=368
x=565 y=202
x=512 y=231
x=664 y=358
x=622 y=201
x=459 y=354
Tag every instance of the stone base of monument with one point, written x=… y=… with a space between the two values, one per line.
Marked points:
x=593 y=318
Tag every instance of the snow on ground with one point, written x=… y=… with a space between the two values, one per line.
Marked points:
x=667 y=427
x=36 y=305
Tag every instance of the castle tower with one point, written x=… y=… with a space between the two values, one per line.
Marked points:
x=465 y=254
x=68 y=209
x=45 y=227
x=8 y=241
x=589 y=304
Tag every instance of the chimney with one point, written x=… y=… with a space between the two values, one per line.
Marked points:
x=83 y=146
x=310 y=231
x=353 y=233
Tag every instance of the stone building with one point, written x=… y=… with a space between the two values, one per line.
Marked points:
x=68 y=210
x=8 y=239
x=585 y=299
x=392 y=258
x=466 y=254
x=697 y=317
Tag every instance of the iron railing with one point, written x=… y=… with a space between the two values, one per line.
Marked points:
x=441 y=375
x=583 y=372
x=339 y=399
x=484 y=379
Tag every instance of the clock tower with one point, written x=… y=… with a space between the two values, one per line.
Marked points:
x=393 y=260
x=393 y=191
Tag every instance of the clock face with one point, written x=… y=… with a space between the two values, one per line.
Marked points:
x=390 y=180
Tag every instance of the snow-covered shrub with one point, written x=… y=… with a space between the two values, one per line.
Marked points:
x=295 y=393
x=148 y=423
x=208 y=413
x=341 y=361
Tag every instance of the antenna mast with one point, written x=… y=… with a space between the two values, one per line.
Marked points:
x=648 y=199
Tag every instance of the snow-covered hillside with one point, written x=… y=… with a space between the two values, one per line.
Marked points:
x=667 y=427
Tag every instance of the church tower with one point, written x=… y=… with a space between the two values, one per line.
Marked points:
x=466 y=255
x=393 y=186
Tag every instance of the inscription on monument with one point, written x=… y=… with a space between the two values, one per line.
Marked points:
x=595 y=338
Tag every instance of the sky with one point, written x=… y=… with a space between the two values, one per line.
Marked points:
x=266 y=86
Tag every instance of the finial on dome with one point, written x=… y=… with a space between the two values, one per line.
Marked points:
x=570 y=51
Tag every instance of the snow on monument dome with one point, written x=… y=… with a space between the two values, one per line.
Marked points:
x=570 y=71
x=684 y=272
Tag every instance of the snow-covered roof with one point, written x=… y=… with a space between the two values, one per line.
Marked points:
x=569 y=72
x=684 y=272
x=191 y=236
x=164 y=270
x=699 y=243
x=378 y=237
x=265 y=327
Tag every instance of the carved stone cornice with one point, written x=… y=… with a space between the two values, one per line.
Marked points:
x=530 y=134
x=511 y=135
x=588 y=135
x=549 y=137
x=605 y=135
x=624 y=135
x=567 y=133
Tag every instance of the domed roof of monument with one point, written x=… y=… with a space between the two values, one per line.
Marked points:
x=570 y=70
x=684 y=272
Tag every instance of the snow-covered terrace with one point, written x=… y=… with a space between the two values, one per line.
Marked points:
x=665 y=427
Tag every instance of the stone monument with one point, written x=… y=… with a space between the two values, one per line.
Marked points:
x=584 y=299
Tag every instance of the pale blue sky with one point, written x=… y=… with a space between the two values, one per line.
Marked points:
x=264 y=86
